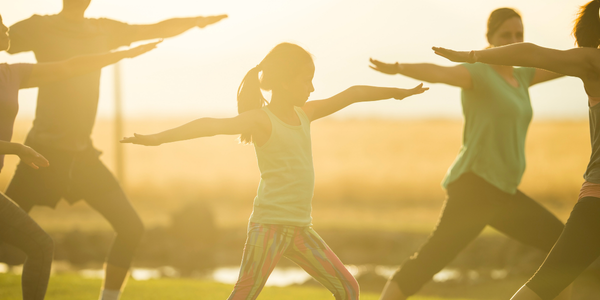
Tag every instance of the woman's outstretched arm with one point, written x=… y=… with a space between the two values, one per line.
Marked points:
x=542 y=75
x=321 y=108
x=247 y=122
x=43 y=73
x=579 y=62
x=173 y=27
x=457 y=76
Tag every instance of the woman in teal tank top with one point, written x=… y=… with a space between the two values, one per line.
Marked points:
x=579 y=244
x=482 y=182
x=281 y=221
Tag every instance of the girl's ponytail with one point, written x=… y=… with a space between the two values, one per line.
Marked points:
x=282 y=64
x=249 y=97
x=587 y=25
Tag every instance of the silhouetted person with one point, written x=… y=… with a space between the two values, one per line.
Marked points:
x=16 y=227
x=281 y=222
x=579 y=243
x=482 y=183
x=64 y=119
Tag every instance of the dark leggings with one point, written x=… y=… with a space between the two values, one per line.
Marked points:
x=18 y=229
x=118 y=211
x=577 y=247
x=471 y=205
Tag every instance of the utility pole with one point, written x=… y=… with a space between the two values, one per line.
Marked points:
x=118 y=119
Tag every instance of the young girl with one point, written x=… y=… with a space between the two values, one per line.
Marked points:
x=579 y=244
x=16 y=227
x=483 y=182
x=280 y=224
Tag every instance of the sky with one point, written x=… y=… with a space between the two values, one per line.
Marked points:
x=197 y=74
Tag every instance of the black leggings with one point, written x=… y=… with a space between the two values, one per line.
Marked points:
x=118 y=211
x=18 y=229
x=577 y=247
x=471 y=205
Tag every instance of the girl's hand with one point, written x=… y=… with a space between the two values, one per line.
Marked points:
x=139 y=50
x=205 y=21
x=403 y=93
x=383 y=67
x=31 y=158
x=140 y=139
x=456 y=56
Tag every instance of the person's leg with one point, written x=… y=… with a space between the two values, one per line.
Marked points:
x=525 y=220
x=264 y=247
x=577 y=247
x=11 y=254
x=528 y=222
x=91 y=181
x=18 y=229
x=118 y=211
x=525 y=293
x=310 y=252
x=466 y=212
x=29 y=187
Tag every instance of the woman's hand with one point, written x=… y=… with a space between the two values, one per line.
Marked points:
x=403 y=93
x=456 y=56
x=383 y=67
x=139 y=50
x=205 y=21
x=31 y=158
x=140 y=139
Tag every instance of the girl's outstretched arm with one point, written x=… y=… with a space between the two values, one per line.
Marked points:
x=43 y=73
x=321 y=108
x=25 y=153
x=456 y=75
x=579 y=62
x=253 y=122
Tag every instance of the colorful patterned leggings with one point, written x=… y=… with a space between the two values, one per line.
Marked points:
x=266 y=244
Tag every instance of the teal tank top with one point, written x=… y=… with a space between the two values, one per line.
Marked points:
x=287 y=177
x=497 y=116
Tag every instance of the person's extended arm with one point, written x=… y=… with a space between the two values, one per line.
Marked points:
x=321 y=108
x=246 y=122
x=44 y=73
x=543 y=76
x=456 y=75
x=25 y=153
x=579 y=62
x=173 y=27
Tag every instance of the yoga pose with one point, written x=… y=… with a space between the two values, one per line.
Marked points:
x=65 y=116
x=280 y=224
x=579 y=243
x=16 y=227
x=482 y=183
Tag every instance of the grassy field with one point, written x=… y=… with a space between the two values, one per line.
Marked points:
x=72 y=287
x=385 y=173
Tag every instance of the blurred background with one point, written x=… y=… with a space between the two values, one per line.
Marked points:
x=378 y=165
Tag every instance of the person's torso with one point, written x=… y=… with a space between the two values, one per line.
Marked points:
x=287 y=176
x=10 y=82
x=592 y=173
x=66 y=110
x=497 y=116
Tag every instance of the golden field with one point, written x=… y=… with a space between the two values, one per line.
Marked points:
x=374 y=174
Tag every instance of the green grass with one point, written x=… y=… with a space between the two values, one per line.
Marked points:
x=73 y=287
